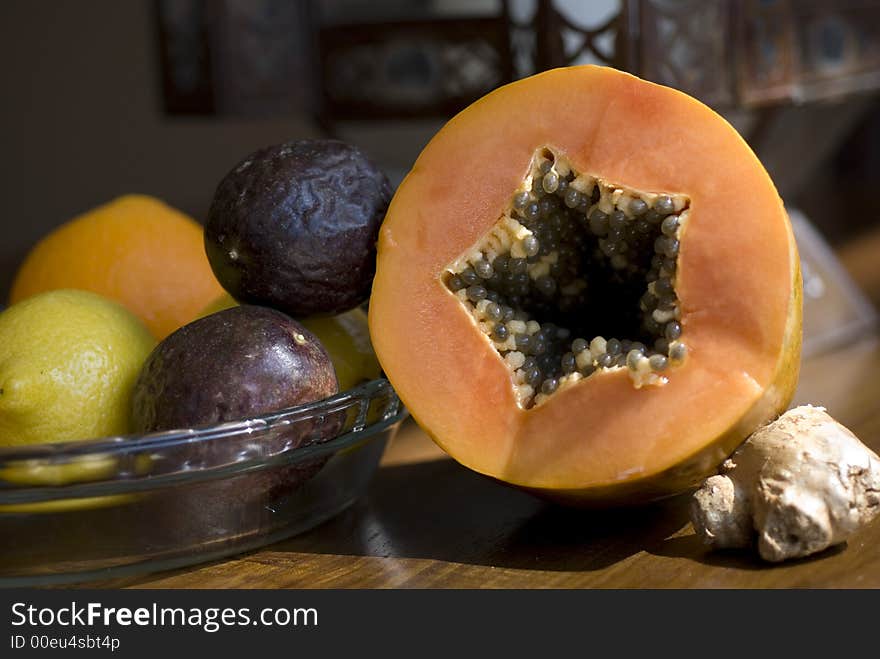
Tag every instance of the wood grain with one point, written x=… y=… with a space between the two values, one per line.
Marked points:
x=426 y=522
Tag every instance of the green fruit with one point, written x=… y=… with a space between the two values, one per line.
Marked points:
x=225 y=301
x=347 y=339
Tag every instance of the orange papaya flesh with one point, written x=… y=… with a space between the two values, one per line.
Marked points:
x=610 y=434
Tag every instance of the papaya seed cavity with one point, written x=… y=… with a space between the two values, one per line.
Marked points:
x=574 y=259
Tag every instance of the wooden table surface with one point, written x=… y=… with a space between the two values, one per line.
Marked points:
x=427 y=522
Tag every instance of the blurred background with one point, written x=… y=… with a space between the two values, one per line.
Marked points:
x=163 y=97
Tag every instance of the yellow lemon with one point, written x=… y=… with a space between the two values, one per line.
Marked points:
x=68 y=362
x=78 y=470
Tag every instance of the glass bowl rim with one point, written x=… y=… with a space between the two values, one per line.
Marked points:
x=53 y=453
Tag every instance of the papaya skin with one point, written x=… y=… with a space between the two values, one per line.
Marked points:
x=601 y=441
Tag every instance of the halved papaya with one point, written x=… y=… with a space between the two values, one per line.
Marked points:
x=588 y=287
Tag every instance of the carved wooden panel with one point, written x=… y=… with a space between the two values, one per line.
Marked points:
x=749 y=53
x=807 y=50
x=274 y=57
x=411 y=68
x=685 y=44
x=235 y=57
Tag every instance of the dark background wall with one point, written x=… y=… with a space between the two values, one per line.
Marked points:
x=81 y=121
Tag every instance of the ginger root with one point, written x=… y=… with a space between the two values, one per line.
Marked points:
x=798 y=485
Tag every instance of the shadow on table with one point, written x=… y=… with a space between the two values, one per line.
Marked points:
x=690 y=546
x=440 y=510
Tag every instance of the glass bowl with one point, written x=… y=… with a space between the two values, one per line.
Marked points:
x=117 y=506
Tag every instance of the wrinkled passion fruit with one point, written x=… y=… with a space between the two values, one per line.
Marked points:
x=294 y=227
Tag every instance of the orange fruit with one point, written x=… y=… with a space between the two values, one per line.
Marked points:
x=136 y=250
